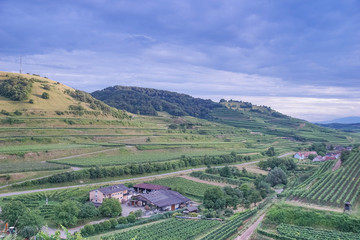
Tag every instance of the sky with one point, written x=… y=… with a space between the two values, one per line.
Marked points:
x=299 y=57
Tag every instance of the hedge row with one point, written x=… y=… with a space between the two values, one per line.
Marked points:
x=135 y=169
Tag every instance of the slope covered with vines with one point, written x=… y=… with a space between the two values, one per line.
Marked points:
x=332 y=187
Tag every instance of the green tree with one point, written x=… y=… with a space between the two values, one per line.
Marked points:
x=45 y=95
x=131 y=218
x=270 y=152
x=88 y=210
x=276 y=176
x=88 y=230
x=12 y=211
x=255 y=197
x=138 y=213
x=225 y=172
x=344 y=155
x=27 y=232
x=214 y=198
x=31 y=219
x=66 y=213
x=110 y=207
x=44 y=236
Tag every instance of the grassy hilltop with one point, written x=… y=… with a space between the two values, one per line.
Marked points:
x=32 y=95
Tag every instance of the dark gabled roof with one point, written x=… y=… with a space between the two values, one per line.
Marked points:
x=112 y=189
x=150 y=186
x=162 y=198
x=192 y=209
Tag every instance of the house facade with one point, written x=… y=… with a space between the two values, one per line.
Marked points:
x=119 y=192
x=303 y=155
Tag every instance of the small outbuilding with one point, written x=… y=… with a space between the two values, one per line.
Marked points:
x=191 y=209
x=147 y=187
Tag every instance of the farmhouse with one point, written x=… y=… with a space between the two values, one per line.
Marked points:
x=119 y=192
x=147 y=187
x=303 y=155
x=164 y=200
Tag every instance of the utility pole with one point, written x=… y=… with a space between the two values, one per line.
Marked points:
x=20 y=64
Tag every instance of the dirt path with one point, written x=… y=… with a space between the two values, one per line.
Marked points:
x=119 y=181
x=253 y=168
x=82 y=155
x=337 y=165
x=285 y=154
x=206 y=182
x=307 y=205
x=247 y=234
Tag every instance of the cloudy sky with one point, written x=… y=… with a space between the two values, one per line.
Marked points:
x=299 y=57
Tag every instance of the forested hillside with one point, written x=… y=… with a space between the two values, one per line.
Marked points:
x=258 y=119
x=148 y=101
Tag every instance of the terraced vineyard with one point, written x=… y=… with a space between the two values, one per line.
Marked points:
x=125 y=157
x=37 y=200
x=174 y=229
x=332 y=187
x=230 y=227
x=304 y=233
x=190 y=188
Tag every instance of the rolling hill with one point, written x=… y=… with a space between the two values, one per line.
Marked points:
x=257 y=119
x=32 y=95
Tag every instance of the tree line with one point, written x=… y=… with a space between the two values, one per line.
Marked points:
x=136 y=169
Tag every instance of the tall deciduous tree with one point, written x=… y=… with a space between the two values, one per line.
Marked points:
x=66 y=213
x=12 y=211
x=276 y=176
x=110 y=207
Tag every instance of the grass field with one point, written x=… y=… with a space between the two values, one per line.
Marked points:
x=190 y=188
x=125 y=156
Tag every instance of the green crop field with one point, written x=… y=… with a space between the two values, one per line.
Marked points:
x=15 y=149
x=29 y=166
x=298 y=232
x=126 y=157
x=173 y=229
x=332 y=187
x=190 y=188
x=230 y=227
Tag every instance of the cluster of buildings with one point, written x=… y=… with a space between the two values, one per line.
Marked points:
x=146 y=195
x=333 y=155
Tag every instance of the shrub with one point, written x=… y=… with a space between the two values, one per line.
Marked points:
x=106 y=225
x=113 y=222
x=45 y=95
x=176 y=214
x=18 y=113
x=131 y=218
x=122 y=220
x=88 y=230
x=31 y=101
